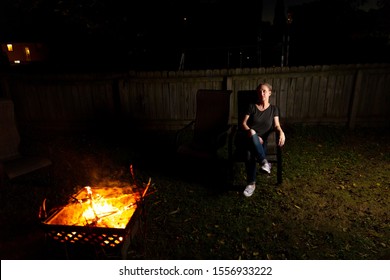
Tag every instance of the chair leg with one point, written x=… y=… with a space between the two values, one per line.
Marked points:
x=230 y=170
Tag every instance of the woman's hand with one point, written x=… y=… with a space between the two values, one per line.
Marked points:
x=282 y=139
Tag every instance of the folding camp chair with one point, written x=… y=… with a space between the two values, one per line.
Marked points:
x=209 y=130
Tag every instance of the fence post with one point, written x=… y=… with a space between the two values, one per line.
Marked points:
x=228 y=82
x=228 y=85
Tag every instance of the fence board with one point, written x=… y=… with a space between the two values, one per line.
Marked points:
x=314 y=107
x=307 y=92
x=331 y=85
x=299 y=98
x=345 y=98
x=276 y=91
x=337 y=104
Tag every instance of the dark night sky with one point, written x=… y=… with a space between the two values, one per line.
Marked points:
x=154 y=30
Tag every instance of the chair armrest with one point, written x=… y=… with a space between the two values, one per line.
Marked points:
x=181 y=132
x=223 y=136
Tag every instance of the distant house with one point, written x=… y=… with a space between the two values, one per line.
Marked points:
x=24 y=53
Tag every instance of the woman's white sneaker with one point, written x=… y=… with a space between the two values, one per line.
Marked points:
x=266 y=167
x=249 y=190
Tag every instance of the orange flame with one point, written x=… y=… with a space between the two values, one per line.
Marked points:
x=111 y=207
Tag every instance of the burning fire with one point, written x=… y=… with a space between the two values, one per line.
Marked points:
x=99 y=210
x=110 y=207
x=102 y=214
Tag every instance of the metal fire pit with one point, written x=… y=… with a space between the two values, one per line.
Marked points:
x=108 y=217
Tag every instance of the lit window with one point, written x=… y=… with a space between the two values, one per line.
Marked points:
x=10 y=48
x=28 y=54
x=17 y=61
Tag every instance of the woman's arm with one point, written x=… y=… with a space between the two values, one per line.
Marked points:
x=244 y=123
x=278 y=128
x=244 y=126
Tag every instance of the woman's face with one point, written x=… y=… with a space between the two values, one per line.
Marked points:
x=263 y=94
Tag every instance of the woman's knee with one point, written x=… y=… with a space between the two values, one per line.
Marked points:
x=252 y=132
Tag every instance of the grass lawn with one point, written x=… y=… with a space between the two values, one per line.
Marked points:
x=334 y=202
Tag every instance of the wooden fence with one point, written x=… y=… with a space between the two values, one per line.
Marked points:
x=350 y=95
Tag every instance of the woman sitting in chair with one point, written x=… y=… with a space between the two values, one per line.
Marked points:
x=259 y=120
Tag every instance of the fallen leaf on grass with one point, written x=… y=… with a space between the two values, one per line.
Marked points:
x=174 y=212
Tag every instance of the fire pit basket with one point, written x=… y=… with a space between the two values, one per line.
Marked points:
x=113 y=227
